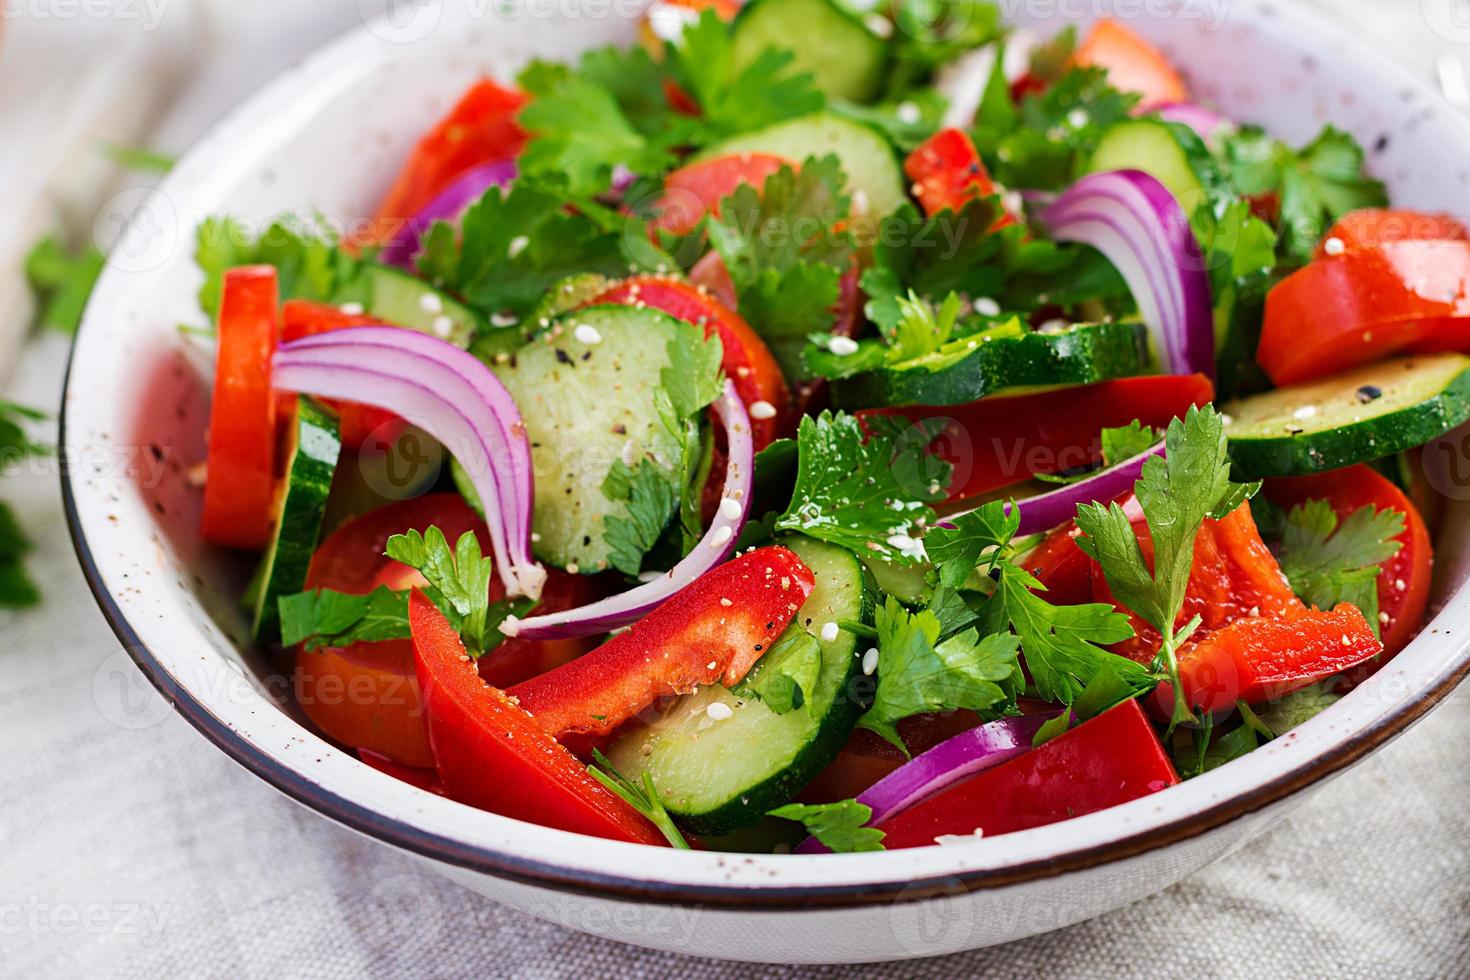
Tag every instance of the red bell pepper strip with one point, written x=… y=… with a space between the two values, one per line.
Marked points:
x=1371 y=227
x=1133 y=64
x=481 y=128
x=747 y=361
x=947 y=173
x=996 y=442
x=240 y=491
x=697 y=189
x=1103 y=762
x=491 y=754
x=1401 y=297
x=1263 y=658
x=1403 y=585
x=713 y=630
x=358 y=423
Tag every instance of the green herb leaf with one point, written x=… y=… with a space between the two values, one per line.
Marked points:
x=326 y=618
x=461 y=575
x=1327 y=563
x=306 y=254
x=138 y=159
x=956 y=552
x=867 y=493
x=841 y=827
x=17 y=589
x=786 y=676
x=652 y=498
x=62 y=282
x=643 y=798
x=1298 y=707
x=919 y=674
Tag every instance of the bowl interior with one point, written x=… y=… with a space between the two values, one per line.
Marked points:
x=328 y=138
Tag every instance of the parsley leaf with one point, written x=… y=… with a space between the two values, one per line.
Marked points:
x=62 y=282
x=783 y=249
x=841 y=827
x=1286 y=713
x=17 y=589
x=461 y=575
x=1327 y=563
x=736 y=99
x=955 y=552
x=652 y=498
x=643 y=798
x=305 y=252
x=919 y=674
x=930 y=33
x=1315 y=185
x=515 y=245
x=1118 y=444
x=326 y=618
x=1177 y=493
x=1110 y=685
x=138 y=159
x=785 y=677
x=868 y=494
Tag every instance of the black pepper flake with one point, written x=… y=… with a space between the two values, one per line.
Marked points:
x=1369 y=393
x=759 y=647
x=563 y=357
x=995 y=574
x=620 y=429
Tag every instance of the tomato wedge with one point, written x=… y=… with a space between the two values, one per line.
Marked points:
x=697 y=189
x=1399 y=297
x=1403 y=585
x=366 y=695
x=1133 y=64
x=1105 y=761
x=1371 y=227
x=491 y=754
x=240 y=492
x=947 y=172
x=747 y=361
x=359 y=423
x=713 y=630
x=1263 y=658
x=481 y=128
x=996 y=442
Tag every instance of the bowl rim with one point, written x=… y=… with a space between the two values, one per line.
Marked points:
x=480 y=857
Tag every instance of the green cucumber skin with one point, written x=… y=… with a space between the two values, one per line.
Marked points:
x=395 y=298
x=845 y=59
x=574 y=398
x=308 y=483
x=1372 y=438
x=1082 y=355
x=748 y=805
x=868 y=159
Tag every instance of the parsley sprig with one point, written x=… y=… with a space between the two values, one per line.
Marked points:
x=1328 y=562
x=1177 y=493
x=842 y=827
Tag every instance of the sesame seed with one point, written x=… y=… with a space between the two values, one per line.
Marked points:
x=443 y=326
x=1305 y=412
x=760 y=411
x=730 y=509
x=726 y=603
x=986 y=306
x=517 y=245
x=721 y=536
x=870 y=661
x=1334 y=246
x=431 y=303
x=587 y=334
x=504 y=320
x=829 y=632
x=1345 y=641
x=1383 y=618
x=573 y=568
x=907 y=113
x=352 y=309
x=843 y=346
x=719 y=711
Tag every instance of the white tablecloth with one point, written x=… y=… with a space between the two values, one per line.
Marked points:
x=130 y=847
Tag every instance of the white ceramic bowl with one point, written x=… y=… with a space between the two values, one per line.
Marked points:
x=328 y=136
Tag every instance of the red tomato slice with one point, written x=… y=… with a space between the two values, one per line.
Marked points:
x=1404 y=297
x=1263 y=658
x=713 y=630
x=996 y=442
x=747 y=361
x=1108 y=760
x=359 y=423
x=366 y=695
x=1371 y=227
x=1062 y=567
x=491 y=754
x=1132 y=63
x=1403 y=585
x=947 y=172
x=481 y=128
x=697 y=189
x=710 y=273
x=240 y=491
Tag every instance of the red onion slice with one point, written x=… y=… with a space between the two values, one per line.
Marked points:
x=1138 y=225
x=944 y=765
x=447 y=205
x=431 y=386
x=1203 y=121
x=716 y=545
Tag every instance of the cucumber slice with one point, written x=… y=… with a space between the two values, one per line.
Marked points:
x=967 y=370
x=719 y=776
x=1173 y=154
x=397 y=297
x=587 y=405
x=845 y=59
x=311 y=456
x=1363 y=414
x=866 y=156
x=566 y=295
